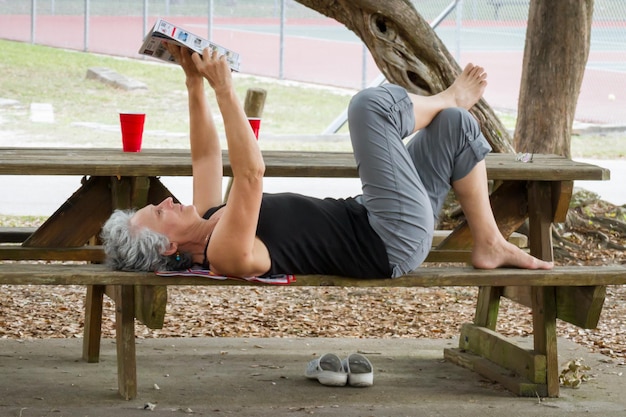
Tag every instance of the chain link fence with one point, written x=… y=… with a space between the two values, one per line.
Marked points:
x=285 y=40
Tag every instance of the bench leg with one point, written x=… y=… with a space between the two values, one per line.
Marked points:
x=487 y=307
x=125 y=341
x=485 y=351
x=93 y=323
x=481 y=349
x=520 y=370
x=150 y=305
x=544 y=334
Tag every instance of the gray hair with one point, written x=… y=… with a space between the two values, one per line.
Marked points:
x=131 y=248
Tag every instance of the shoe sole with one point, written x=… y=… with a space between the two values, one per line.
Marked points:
x=332 y=379
x=361 y=380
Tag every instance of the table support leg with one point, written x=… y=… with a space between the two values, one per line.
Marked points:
x=125 y=338
x=135 y=192
x=93 y=323
x=543 y=298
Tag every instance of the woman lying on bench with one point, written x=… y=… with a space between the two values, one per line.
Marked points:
x=385 y=232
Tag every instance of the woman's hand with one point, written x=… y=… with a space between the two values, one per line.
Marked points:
x=182 y=56
x=215 y=69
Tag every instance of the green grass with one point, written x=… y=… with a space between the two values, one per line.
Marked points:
x=38 y=74
x=608 y=145
x=599 y=146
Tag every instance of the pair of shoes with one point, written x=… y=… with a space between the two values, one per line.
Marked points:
x=356 y=370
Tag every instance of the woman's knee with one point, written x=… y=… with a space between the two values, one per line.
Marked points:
x=364 y=101
x=461 y=119
x=464 y=141
x=453 y=132
x=383 y=99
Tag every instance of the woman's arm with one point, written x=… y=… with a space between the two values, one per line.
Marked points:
x=234 y=248
x=206 y=153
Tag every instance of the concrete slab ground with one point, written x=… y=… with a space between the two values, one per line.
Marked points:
x=264 y=377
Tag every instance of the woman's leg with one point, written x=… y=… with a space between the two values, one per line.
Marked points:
x=446 y=150
x=398 y=206
x=490 y=249
x=404 y=187
x=450 y=149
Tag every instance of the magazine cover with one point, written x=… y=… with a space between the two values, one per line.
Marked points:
x=164 y=31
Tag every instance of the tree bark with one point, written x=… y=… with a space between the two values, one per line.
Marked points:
x=408 y=52
x=555 y=55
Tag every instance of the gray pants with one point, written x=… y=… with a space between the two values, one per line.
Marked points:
x=404 y=186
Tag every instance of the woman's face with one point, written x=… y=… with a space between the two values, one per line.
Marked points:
x=168 y=218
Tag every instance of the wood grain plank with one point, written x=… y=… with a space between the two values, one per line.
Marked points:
x=177 y=162
x=93 y=274
x=79 y=253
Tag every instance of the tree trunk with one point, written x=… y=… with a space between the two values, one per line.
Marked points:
x=408 y=52
x=555 y=55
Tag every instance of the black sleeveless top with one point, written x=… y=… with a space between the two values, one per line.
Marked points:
x=308 y=235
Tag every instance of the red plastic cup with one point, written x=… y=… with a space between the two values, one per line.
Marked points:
x=255 y=123
x=132 y=131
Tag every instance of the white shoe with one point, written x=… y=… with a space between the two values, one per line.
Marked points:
x=360 y=370
x=327 y=369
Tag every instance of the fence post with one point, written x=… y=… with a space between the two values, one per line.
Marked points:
x=86 y=34
x=210 y=22
x=145 y=18
x=281 y=52
x=33 y=20
x=459 y=25
x=364 y=66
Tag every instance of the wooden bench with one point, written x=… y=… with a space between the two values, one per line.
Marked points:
x=522 y=371
x=537 y=192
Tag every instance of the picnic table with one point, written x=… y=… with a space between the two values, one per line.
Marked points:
x=113 y=179
x=537 y=191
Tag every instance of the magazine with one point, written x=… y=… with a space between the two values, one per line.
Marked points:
x=282 y=279
x=163 y=31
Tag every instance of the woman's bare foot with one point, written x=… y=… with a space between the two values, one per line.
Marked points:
x=468 y=88
x=505 y=254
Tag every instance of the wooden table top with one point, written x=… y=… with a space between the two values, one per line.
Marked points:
x=177 y=162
